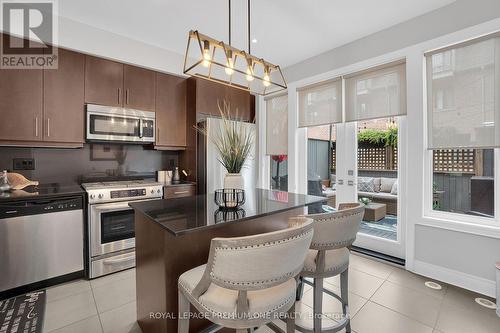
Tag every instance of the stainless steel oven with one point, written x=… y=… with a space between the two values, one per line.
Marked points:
x=105 y=123
x=111 y=226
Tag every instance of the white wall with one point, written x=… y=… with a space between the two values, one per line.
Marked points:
x=459 y=253
x=447 y=19
x=84 y=38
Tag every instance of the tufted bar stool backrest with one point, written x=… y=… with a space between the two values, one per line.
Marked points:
x=260 y=261
x=337 y=229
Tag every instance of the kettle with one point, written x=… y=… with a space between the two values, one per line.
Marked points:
x=176 y=177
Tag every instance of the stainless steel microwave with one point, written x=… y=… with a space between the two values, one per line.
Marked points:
x=107 y=123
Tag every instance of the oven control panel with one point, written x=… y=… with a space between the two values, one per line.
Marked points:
x=124 y=194
x=128 y=193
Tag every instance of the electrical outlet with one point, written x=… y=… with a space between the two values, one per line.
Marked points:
x=23 y=164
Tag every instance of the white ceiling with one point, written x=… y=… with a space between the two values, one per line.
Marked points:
x=287 y=31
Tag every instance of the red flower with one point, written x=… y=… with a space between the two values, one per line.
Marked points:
x=279 y=158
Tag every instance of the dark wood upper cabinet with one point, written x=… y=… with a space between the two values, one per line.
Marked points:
x=170 y=111
x=63 y=99
x=103 y=82
x=209 y=95
x=139 y=87
x=21 y=104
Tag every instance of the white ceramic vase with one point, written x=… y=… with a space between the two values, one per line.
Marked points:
x=234 y=180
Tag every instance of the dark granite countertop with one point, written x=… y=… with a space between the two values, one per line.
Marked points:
x=183 y=215
x=42 y=191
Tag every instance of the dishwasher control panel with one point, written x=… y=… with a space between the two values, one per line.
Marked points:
x=39 y=206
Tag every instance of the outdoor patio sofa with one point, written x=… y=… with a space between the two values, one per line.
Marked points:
x=377 y=189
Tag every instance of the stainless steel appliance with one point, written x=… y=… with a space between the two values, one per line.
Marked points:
x=106 y=123
x=210 y=171
x=40 y=239
x=111 y=226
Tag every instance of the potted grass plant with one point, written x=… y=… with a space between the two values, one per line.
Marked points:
x=234 y=143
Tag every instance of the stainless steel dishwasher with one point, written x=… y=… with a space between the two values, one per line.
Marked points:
x=40 y=239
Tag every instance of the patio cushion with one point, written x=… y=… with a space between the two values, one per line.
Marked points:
x=386 y=184
x=394 y=189
x=376 y=181
x=366 y=184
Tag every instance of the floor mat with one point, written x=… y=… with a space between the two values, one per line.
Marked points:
x=23 y=313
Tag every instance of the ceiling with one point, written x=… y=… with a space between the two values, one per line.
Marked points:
x=287 y=31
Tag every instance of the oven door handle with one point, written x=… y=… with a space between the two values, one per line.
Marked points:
x=120 y=260
x=111 y=208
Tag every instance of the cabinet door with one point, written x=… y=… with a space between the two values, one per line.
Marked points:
x=209 y=96
x=170 y=110
x=240 y=104
x=139 y=85
x=103 y=82
x=63 y=99
x=20 y=104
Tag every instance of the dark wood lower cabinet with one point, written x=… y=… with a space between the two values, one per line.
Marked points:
x=63 y=99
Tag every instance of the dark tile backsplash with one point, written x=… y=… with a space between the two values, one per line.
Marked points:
x=92 y=162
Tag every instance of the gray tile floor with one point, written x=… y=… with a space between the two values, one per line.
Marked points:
x=383 y=298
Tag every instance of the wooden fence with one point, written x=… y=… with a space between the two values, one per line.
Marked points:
x=453 y=169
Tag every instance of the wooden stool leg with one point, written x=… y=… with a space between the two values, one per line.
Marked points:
x=184 y=307
x=317 y=304
x=344 y=294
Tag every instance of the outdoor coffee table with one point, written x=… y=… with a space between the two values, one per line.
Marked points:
x=375 y=211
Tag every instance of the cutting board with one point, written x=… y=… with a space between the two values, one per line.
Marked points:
x=18 y=181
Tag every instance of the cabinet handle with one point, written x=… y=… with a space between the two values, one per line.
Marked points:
x=126 y=96
x=119 y=95
x=48 y=127
x=181 y=192
x=36 y=127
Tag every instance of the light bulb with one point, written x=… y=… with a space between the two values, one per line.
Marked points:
x=230 y=63
x=206 y=53
x=266 y=81
x=249 y=75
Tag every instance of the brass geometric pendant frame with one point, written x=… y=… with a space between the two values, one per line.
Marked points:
x=216 y=61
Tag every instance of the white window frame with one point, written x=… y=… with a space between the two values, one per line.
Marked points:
x=456 y=221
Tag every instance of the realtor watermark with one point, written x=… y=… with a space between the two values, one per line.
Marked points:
x=29 y=33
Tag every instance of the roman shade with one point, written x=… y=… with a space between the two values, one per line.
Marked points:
x=463 y=95
x=277 y=125
x=378 y=92
x=321 y=104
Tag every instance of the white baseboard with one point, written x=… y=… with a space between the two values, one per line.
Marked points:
x=463 y=280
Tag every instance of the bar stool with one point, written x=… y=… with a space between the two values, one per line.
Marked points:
x=329 y=256
x=248 y=281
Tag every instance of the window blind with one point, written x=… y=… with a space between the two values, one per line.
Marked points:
x=321 y=104
x=277 y=125
x=463 y=95
x=376 y=93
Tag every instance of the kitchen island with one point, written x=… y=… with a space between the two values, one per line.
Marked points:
x=173 y=236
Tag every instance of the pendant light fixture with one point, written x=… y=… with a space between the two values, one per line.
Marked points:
x=219 y=62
